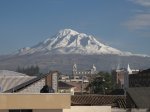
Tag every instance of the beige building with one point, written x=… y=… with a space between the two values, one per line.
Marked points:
x=19 y=102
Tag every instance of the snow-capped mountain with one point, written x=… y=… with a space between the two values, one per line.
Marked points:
x=68 y=41
x=80 y=49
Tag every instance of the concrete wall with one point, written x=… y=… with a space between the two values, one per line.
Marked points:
x=88 y=109
x=34 y=101
x=40 y=110
x=4 y=111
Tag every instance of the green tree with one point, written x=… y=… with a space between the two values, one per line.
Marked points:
x=101 y=83
x=31 y=70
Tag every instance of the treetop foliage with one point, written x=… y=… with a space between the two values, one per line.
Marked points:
x=31 y=70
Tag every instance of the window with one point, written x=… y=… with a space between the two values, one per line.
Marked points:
x=23 y=110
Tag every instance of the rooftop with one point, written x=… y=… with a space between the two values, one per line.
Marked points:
x=8 y=73
x=140 y=96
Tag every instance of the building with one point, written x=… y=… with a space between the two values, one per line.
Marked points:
x=36 y=84
x=141 y=79
x=121 y=76
x=65 y=88
x=11 y=79
x=64 y=78
x=99 y=100
x=138 y=97
x=132 y=71
x=34 y=102
x=76 y=72
x=79 y=79
x=138 y=91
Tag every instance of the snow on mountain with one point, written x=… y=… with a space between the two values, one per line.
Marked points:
x=68 y=41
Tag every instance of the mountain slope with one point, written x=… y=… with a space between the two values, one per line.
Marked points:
x=68 y=41
x=64 y=63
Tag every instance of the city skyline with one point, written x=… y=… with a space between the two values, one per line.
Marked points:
x=124 y=25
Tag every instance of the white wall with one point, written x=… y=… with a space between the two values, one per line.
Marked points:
x=88 y=109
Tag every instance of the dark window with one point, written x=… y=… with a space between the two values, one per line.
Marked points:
x=23 y=110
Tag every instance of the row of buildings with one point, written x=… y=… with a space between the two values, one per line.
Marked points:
x=12 y=81
x=54 y=92
x=79 y=78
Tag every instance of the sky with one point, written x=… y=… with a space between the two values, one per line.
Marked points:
x=122 y=24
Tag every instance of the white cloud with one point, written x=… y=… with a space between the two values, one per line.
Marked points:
x=139 y=21
x=145 y=3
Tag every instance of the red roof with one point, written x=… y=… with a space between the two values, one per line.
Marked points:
x=107 y=100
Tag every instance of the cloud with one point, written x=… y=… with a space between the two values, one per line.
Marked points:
x=145 y=3
x=138 y=22
x=141 y=20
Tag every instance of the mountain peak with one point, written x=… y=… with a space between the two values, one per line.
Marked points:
x=68 y=31
x=68 y=41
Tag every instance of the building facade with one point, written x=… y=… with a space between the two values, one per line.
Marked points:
x=76 y=72
x=121 y=76
x=141 y=79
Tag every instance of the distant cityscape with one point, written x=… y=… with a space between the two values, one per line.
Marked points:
x=123 y=88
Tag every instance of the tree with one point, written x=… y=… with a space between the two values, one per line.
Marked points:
x=101 y=83
x=32 y=70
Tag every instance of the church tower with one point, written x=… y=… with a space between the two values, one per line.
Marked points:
x=126 y=77
x=74 y=69
x=129 y=69
x=93 y=70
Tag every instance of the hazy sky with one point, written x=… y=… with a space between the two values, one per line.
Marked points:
x=122 y=24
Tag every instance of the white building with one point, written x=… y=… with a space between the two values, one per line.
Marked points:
x=121 y=76
x=75 y=71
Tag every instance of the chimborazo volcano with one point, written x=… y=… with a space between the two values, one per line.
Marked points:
x=68 y=41
x=67 y=47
